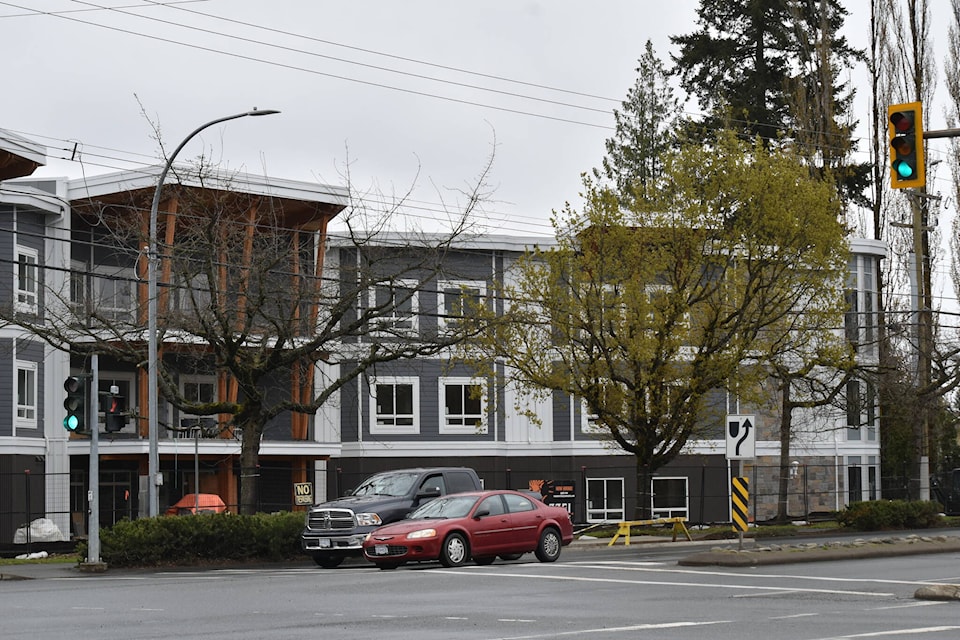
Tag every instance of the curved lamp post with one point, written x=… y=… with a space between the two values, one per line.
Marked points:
x=153 y=426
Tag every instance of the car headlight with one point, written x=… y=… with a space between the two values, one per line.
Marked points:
x=368 y=520
x=422 y=533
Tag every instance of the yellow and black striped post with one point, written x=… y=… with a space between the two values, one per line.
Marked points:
x=739 y=497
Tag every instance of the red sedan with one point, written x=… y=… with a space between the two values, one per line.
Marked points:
x=480 y=525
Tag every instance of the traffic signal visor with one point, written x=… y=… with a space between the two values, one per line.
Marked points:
x=905 y=128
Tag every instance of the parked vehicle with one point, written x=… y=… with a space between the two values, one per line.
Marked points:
x=335 y=530
x=480 y=525
x=194 y=503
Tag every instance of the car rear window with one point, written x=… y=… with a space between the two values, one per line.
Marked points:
x=458 y=481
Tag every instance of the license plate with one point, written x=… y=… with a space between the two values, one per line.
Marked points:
x=381 y=550
x=324 y=543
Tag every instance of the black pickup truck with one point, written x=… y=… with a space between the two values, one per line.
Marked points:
x=336 y=529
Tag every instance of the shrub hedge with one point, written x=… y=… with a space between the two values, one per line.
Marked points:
x=878 y=515
x=197 y=539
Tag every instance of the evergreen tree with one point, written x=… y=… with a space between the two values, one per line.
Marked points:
x=645 y=129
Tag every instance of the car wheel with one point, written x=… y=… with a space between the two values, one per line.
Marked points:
x=485 y=560
x=454 y=551
x=387 y=566
x=511 y=556
x=328 y=562
x=548 y=549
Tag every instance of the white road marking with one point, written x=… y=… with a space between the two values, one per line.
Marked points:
x=732 y=574
x=638 y=627
x=900 y=633
x=663 y=583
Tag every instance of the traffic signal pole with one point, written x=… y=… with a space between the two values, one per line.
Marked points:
x=908 y=171
x=93 y=488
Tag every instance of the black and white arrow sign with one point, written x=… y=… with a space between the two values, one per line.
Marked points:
x=741 y=437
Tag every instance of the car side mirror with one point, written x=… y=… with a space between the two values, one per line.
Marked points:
x=481 y=514
x=432 y=492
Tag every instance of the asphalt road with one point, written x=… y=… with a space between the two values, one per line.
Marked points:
x=593 y=592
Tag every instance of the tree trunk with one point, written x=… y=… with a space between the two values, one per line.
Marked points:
x=249 y=469
x=783 y=496
x=643 y=510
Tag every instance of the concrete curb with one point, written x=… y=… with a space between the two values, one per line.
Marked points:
x=855 y=550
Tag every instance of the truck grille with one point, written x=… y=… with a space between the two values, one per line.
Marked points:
x=331 y=520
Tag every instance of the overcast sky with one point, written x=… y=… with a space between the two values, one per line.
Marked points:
x=428 y=86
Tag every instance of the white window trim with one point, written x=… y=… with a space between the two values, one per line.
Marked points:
x=27 y=306
x=452 y=428
x=380 y=322
x=444 y=321
x=588 y=421
x=26 y=422
x=375 y=427
x=604 y=514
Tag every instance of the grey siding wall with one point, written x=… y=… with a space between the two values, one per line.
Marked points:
x=6 y=382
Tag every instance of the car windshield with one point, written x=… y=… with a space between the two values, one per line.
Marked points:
x=449 y=507
x=387 y=484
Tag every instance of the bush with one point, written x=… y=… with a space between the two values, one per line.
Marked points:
x=878 y=515
x=196 y=539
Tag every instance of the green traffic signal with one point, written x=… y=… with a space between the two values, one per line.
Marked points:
x=74 y=403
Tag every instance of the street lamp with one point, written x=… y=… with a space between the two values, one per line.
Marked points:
x=153 y=426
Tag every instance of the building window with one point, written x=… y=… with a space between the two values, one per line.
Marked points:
x=27 y=394
x=27 y=280
x=670 y=497
x=395 y=405
x=458 y=300
x=113 y=294
x=198 y=390
x=462 y=401
x=605 y=499
x=861 y=317
x=862 y=478
x=395 y=307
x=862 y=410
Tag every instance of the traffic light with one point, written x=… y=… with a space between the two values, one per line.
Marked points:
x=906 y=146
x=113 y=416
x=75 y=404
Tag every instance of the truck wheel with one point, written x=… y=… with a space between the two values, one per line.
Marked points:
x=454 y=551
x=328 y=561
x=548 y=549
x=511 y=556
x=484 y=560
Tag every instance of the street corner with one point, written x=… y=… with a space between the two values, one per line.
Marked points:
x=943 y=592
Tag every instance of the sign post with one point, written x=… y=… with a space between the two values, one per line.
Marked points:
x=741 y=439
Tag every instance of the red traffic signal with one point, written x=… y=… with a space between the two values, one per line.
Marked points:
x=905 y=132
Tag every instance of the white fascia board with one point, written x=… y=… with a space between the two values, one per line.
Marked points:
x=863 y=246
x=25 y=195
x=146 y=178
x=23 y=147
x=489 y=242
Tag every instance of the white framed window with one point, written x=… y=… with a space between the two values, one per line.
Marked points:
x=114 y=294
x=863 y=478
x=862 y=410
x=398 y=302
x=605 y=500
x=671 y=498
x=660 y=297
x=395 y=405
x=462 y=403
x=26 y=394
x=589 y=420
x=27 y=279
x=199 y=390
x=191 y=294
x=458 y=299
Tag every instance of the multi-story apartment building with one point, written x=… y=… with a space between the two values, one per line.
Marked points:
x=435 y=411
x=416 y=412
